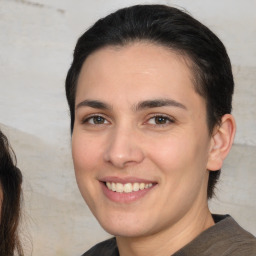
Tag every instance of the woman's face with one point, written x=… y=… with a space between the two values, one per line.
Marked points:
x=140 y=141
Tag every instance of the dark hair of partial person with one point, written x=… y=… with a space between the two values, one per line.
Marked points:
x=10 y=183
x=172 y=28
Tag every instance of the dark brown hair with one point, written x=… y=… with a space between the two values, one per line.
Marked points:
x=10 y=184
x=172 y=28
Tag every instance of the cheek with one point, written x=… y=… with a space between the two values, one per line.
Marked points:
x=85 y=152
x=180 y=155
x=85 y=159
x=171 y=152
x=182 y=164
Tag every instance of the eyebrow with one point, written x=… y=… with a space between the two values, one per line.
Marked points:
x=93 y=104
x=154 y=103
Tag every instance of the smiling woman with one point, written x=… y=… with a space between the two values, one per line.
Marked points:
x=151 y=126
x=122 y=149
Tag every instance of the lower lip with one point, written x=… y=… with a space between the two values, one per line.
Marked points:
x=124 y=197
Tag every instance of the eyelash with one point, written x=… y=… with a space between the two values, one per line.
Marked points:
x=87 y=119
x=164 y=117
x=167 y=120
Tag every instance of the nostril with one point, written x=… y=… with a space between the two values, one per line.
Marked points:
x=123 y=150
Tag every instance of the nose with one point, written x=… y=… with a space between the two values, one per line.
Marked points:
x=123 y=148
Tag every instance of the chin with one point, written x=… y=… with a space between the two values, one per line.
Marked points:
x=123 y=225
x=124 y=232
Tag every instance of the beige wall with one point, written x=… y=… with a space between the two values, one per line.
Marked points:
x=37 y=39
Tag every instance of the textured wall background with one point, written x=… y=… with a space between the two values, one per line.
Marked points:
x=37 y=39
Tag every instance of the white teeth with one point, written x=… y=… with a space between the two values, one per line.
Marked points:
x=113 y=186
x=119 y=187
x=127 y=187
x=142 y=186
x=108 y=185
x=136 y=187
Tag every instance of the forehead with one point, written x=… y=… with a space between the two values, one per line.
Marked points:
x=137 y=56
x=134 y=71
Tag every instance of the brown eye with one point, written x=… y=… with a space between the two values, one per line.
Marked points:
x=95 y=120
x=160 y=120
x=98 y=120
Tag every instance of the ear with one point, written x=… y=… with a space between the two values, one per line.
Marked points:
x=221 y=142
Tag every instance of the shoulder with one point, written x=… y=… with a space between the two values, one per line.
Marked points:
x=240 y=242
x=225 y=238
x=235 y=240
x=228 y=238
x=105 y=248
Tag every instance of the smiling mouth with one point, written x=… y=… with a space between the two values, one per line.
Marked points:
x=127 y=187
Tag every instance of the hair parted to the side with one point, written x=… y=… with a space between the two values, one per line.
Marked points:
x=172 y=28
x=10 y=184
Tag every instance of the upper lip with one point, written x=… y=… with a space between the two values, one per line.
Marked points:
x=125 y=180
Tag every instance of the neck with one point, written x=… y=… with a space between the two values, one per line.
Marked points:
x=168 y=241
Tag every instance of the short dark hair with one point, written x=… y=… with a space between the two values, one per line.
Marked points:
x=10 y=184
x=172 y=28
